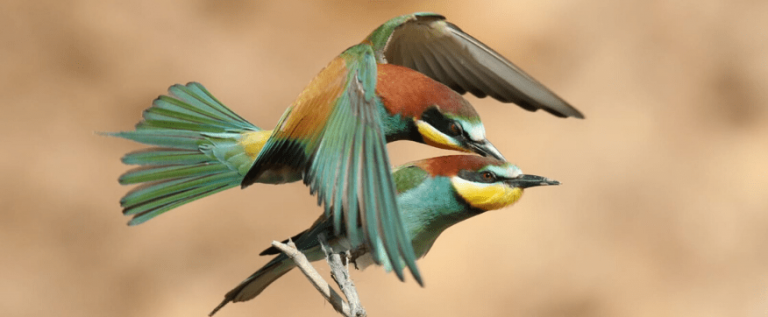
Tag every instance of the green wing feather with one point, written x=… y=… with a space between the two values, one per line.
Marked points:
x=346 y=163
x=367 y=176
x=197 y=152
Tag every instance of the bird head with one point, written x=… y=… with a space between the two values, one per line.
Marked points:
x=483 y=183
x=442 y=118
x=453 y=131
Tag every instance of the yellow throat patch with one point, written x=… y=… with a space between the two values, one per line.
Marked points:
x=486 y=196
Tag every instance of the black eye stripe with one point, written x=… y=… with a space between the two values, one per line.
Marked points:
x=477 y=177
x=433 y=116
x=464 y=133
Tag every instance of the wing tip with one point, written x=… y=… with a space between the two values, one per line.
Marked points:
x=570 y=112
x=419 y=280
x=135 y=222
x=565 y=115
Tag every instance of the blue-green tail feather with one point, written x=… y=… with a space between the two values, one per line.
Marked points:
x=196 y=152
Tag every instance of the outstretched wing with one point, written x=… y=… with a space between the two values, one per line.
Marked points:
x=439 y=49
x=334 y=134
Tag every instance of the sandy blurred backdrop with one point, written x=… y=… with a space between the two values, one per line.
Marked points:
x=663 y=211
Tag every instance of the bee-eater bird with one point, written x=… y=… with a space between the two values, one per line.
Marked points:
x=432 y=195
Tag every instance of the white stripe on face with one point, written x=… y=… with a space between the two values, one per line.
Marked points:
x=507 y=170
x=475 y=131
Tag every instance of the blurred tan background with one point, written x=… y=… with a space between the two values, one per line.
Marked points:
x=663 y=209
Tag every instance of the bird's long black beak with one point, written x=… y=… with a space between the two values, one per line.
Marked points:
x=485 y=148
x=525 y=181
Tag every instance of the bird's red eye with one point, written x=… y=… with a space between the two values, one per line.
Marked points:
x=455 y=128
x=488 y=176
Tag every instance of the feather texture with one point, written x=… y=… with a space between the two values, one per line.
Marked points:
x=441 y=50
x=334 y=132
x=201 y=148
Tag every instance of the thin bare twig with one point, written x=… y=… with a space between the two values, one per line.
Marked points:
x=340 y=274
x=309 y=271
